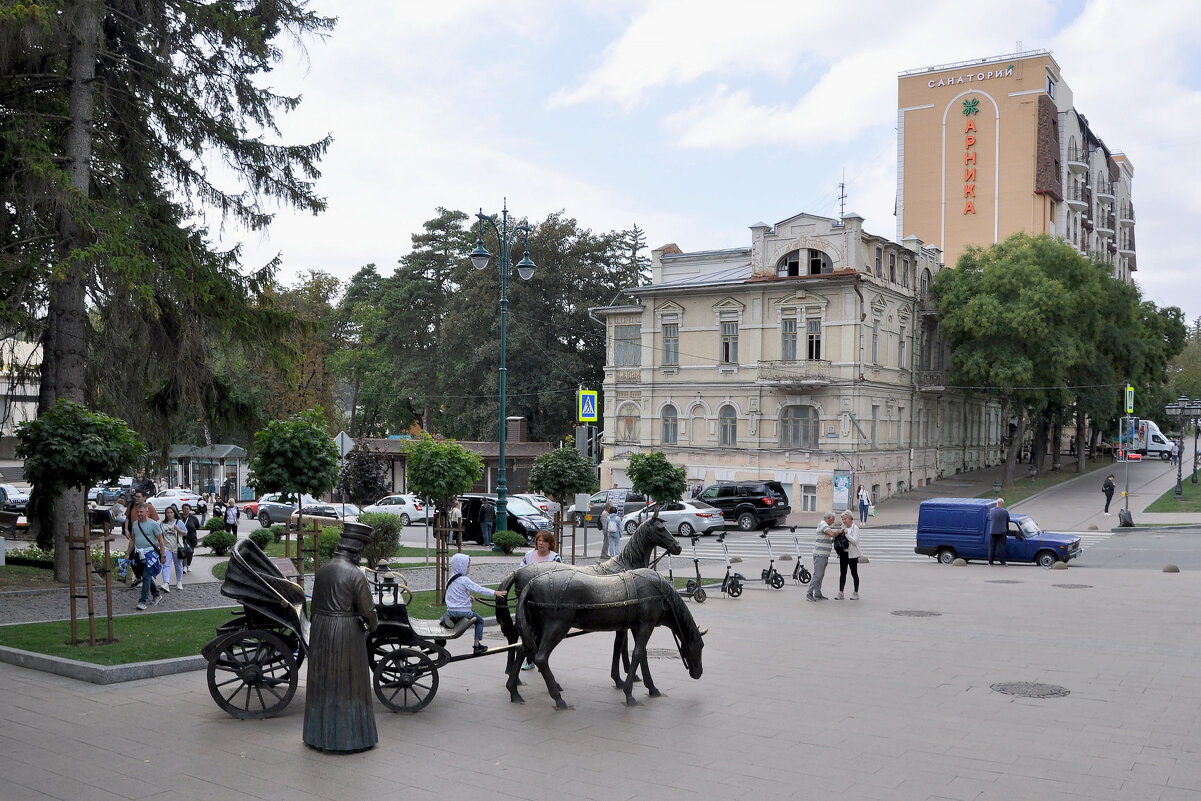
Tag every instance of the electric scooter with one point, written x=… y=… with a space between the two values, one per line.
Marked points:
x=800 y=574
x=693 y=588
x=731 y=583
x=770 y=575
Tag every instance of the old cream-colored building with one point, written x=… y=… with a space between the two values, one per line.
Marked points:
x=810 y=356
x=989 y=147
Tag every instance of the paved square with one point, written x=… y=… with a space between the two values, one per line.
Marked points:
x=838 y=699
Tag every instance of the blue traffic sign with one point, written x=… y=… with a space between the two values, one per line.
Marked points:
x=586 y=406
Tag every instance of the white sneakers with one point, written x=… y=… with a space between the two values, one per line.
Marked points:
x=166 y=587
x=179 y=586
x=854 y=596
x=838 y=597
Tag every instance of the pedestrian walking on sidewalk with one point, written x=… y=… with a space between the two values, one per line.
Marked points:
x=998 y=529
x=865 y=504
x=822 y=545
x=1108 y=488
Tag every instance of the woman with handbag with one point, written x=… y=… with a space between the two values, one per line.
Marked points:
x=191 y=537
x=848 y=555
x=172 y=566
x=146 y=545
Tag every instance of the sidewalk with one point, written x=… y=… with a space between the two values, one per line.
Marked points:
x=891 y=697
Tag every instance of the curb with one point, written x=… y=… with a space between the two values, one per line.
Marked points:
x=100 y=674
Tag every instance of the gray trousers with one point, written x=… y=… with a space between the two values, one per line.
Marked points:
x=819 y=572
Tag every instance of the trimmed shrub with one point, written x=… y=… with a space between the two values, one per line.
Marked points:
x=278 y=531
x=328 y=543
x=385 y=540
x=214 y=524
x=219 y=542
x=508 y=540
x=261 y=537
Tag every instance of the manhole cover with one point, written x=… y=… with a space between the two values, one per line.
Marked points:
x=1030 y=689
x=1002 y=581
x=915 y=613
x=662 y=653
x=1073 y=586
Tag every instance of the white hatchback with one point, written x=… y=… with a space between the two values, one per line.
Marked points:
x=410 y=508
x=682 y=517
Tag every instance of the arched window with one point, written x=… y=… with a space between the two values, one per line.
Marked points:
x=798 y=427
x=629 y=422
x=789 y=265
x=925 y=287
x=728 y=419
x=671 y=427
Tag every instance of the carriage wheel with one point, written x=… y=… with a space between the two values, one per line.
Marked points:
x=406 y=680
x=253 y=674
x=386 y=640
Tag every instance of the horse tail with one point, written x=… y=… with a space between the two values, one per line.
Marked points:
x=524 y=628
x=503 y=616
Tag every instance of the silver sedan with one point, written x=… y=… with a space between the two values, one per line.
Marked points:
x=682 y=517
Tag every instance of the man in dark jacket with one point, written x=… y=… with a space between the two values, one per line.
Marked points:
x=998 y=527
x=487 y=522
x=1108 y=488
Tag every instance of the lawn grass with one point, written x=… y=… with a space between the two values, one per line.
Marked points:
x=147 y=636
x=407 y=551
x=26 y=577
x=1024 y=486
x=1190 y=499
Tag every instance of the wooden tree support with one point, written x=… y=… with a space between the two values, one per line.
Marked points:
x=76 y=545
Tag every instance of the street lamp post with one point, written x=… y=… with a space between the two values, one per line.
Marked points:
x=525 y=268
x=1194 y=411
x=1181 y=411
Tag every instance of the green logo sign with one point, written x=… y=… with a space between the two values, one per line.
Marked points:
x=971 y=106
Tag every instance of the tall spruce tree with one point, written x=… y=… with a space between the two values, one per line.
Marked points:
x=111 y=112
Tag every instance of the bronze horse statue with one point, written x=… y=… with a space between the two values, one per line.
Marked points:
x=636 y=553
x=636 y=600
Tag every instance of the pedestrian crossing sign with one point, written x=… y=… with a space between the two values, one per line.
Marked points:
x=586 y=406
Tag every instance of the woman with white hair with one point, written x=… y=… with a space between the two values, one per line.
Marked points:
x=848 y=557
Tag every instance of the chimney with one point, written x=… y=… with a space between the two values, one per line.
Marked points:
x=516 y=429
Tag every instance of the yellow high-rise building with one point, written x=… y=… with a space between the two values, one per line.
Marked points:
x=990 y=147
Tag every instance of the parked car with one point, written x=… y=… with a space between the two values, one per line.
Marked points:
x=112 y=494
x=410 y=508
x=15 y=499
x=682 y=517
x=549 y=508
x=173 y=497
x=324 y=514
x=749 y=504
x=631 y=502
x=524 y=518
x=951 y=528
x=277 y=507
x=250 y=509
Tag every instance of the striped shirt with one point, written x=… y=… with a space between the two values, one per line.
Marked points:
x=822 y=545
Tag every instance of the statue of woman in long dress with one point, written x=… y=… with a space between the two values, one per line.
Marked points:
x=338 y=715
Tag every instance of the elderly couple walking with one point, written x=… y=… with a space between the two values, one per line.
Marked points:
x=828 y=531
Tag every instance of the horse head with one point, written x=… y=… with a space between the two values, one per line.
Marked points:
x=657 y=535
x=689 y=638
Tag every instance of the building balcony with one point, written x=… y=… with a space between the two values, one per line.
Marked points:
x=1079 y=196
x=1105 y=191
x=1077 y=160
x=930 y=380
x=812 y=373
x=926 y=306
x=1106 y=223
x=1126 y=213
x=1126 y=243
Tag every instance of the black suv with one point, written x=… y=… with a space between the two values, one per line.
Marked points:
x=750 y=504
x=524 y=517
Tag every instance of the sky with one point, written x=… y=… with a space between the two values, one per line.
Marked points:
x=695 y=119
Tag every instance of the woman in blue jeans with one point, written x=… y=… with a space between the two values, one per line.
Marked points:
x=458 y=596
x=865 y=504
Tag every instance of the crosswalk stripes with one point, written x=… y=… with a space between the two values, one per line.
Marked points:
x=880 y=544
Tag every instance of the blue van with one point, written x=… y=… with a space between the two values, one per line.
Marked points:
x=958 y=527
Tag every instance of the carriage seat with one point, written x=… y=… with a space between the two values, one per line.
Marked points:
x=433 y=630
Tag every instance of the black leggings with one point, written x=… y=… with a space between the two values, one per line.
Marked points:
x=843 y=563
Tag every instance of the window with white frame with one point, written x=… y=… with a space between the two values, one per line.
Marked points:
x=728 y=421
x=627 y=346
x=788 y=335
x=879 y=262
x=629 y=422
x=671 y=425
x=729 y=342
x=901 y=350
x=798 y=427
x=671 y=343
x=892 y=268
x=875 y=342
x=789 y=265
x=808 y=497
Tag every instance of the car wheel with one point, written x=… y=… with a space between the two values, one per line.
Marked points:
x=631 y=527
x=686 y=530
x=1046 y=558
x=946 y=555
x=264 y=519
x=1165 y=455
x=249 y=513
x=747 y=521
x=404 y=520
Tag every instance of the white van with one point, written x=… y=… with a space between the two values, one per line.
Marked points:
x=1150 y=441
